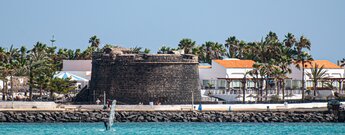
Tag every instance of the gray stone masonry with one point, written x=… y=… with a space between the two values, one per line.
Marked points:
x=135 y=78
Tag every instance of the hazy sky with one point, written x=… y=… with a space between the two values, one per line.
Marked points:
x=152 y=23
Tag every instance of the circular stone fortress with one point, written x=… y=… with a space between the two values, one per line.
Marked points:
x=142 y=78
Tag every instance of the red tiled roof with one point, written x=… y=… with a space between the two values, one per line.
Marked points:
x=325 y=63
x=205 y=67
x=235 y=63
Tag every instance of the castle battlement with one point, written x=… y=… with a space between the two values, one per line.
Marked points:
x=133 y=78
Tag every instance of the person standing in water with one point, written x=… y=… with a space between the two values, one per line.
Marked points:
x=106 y=125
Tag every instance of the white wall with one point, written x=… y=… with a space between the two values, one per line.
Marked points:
x=237 y=72
x=1 y=84
x=332 y=73
x=218 y=71
x=76 y=65
x=296 y=73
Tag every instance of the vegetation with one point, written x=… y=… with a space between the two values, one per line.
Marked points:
x=317 y=73
x=40 y=64
x=61 y=86
x=271 y=55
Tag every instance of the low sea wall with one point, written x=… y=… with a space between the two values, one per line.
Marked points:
x=27 y=105
x=165 y=116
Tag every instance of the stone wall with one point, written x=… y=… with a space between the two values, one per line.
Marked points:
x=96 y=116
x=135 y=78
x=27 y=105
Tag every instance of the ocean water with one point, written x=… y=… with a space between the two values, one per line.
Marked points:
x=172 y=128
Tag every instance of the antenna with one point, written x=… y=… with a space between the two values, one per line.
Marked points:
x=52 y=40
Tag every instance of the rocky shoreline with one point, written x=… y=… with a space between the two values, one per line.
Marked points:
x=99 y=116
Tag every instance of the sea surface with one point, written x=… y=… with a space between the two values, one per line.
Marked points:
x=172 y=128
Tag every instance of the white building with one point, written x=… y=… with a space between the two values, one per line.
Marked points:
x=77 y=65
x=235 y=68
x=229 y=68
x=78 y=70
x=333 y=71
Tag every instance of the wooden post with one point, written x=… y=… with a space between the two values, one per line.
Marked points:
x=244 y=89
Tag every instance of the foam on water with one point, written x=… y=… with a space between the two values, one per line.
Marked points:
x=112 y=114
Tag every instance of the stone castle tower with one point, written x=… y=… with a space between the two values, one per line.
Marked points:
x=133 y=78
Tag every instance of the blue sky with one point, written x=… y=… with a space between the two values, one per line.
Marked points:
x=153 y=23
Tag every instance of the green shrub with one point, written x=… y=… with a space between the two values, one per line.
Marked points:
x=275 y=98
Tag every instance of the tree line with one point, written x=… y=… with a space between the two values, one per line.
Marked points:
x=271 y=55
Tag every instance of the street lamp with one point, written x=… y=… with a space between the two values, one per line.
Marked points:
x=244 y=88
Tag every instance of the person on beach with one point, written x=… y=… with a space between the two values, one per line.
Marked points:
x=109 y=103
x=98 y=101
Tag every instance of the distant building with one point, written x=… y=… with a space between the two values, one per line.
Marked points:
x=333 y=71
x=77 y=70
x=76 y=65
x=229 y=68
x=235 y=69
x=341 y=63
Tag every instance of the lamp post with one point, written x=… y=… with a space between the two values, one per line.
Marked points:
x=192 y=100
x=244 y=88
x=52 y=40
x=104 y=98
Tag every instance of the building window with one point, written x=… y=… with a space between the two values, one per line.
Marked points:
x=221 y=84
x=236 y=84
x=209 y=84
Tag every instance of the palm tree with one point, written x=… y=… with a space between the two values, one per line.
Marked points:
x=200 y=51
x=317 y=73
x=266 y=72
x=77 y=54
x=6 y=70
x=146 y=51
x=187 y=45
x=241 y=48
x=164 y=50
x=2 y=54
x=70 y=54
x=211 y=50
x=218 y=51
x=232 y=44
x=255 y=74
x=87 y=54
x=38 y=58
x=11 y=64
x=136 y=49
x=302 y=57
x=289 y=40
x=94 y=41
